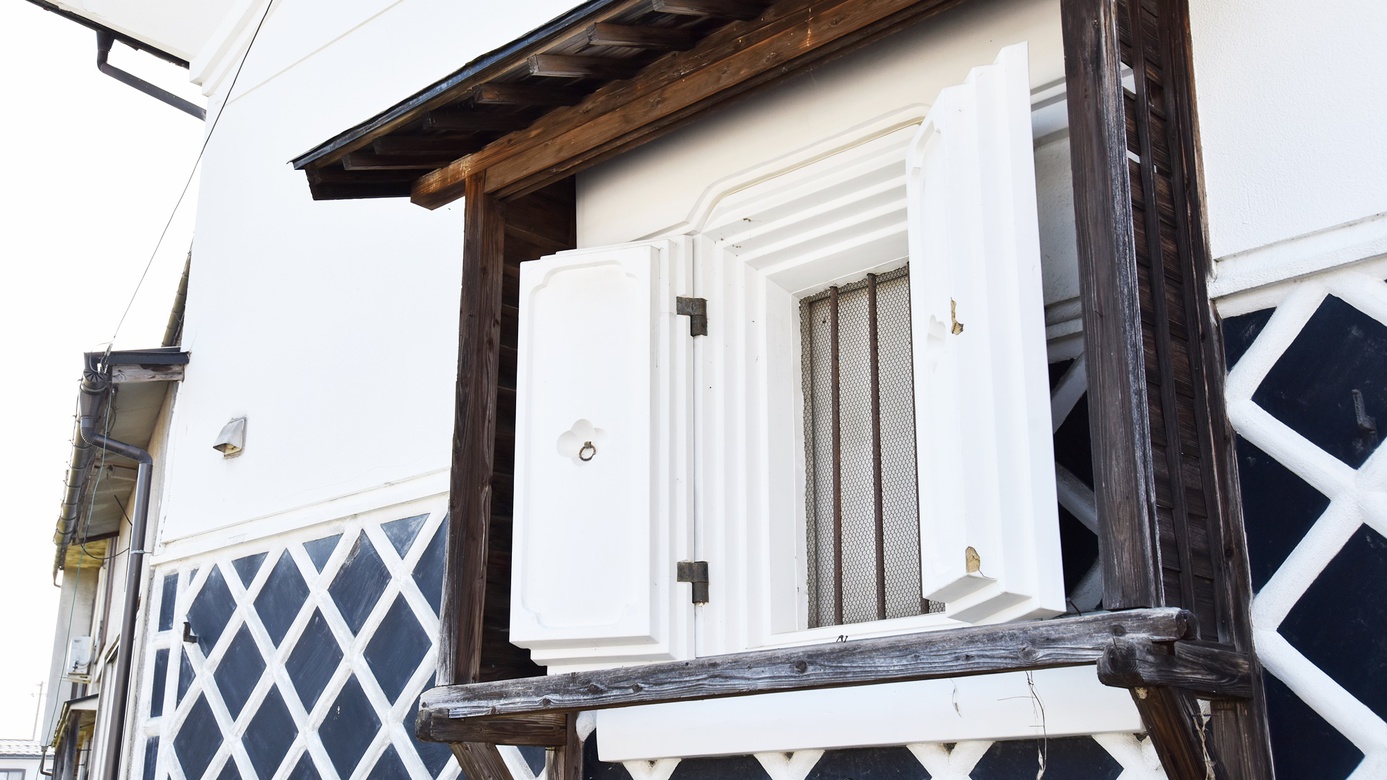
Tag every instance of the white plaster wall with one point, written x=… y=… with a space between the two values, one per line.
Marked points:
x=1291 y=114
x=331 y=326
x=656 y=187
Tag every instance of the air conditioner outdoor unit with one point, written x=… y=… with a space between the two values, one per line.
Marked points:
x=79 y=656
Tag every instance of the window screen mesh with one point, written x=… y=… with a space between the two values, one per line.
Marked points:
x=859 y=430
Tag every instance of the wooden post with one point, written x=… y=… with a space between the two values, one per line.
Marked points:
x=479 y=349
x=1171 y=530
x=1124 y=487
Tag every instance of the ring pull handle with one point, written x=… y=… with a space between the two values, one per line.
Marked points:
x=588 y=452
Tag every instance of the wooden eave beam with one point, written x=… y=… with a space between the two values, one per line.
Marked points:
x=967 y=651
x=792 y=34
x=460 y=85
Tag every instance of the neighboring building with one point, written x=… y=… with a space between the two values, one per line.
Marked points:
x=838 y=390
x=20 y=759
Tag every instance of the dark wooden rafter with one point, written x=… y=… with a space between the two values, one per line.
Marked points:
x=582 y=67
x=641 y=37
x=468 y=122
x=523 y=95
x=1165 y=485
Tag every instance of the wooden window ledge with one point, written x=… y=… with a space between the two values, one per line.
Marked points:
x=1132 y=649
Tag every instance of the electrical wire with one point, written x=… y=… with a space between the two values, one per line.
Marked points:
x=216 y=120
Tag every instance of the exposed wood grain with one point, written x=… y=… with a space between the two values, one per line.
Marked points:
x=1070 y=641
x=715 y=9
x=524 y=95
x=1165 y=365
x=582 y=67
x=1206 y=670
x=480 y=760
x=1124 y=488
x=566 y=763
x=641 y=37
x=540 y=730
x=1177 y=732
x=739 y=57
x=479 y=344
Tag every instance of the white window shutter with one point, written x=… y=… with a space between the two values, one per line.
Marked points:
x=989 y=523
x=603 y=471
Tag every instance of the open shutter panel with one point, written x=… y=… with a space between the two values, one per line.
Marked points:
x=602 y=466
x=989 y=524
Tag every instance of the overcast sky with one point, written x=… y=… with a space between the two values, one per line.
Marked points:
x=92 y=173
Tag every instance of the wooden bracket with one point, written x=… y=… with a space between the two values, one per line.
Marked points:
x=1208 y=671
x=1165 y=679
x=481 y=760
x=1177 y=732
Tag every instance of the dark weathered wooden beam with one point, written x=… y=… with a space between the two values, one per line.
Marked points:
x=713 y=9
x=1240 y=728
x=479 y=347
x=540 y=730
x=481 y=760
x=1124 y=486
x=524 y=95
x=640 y=37
x=956 y=653
x=582 y=67
x=728 y=63
x=472 y=121
x=1177 y=732
x=1206 y=670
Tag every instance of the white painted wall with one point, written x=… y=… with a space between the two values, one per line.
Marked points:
x=331 y=326
x=657 y=186
x=1291 y=116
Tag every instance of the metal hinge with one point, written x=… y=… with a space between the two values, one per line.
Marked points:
x=696 y=573
x=696 y=309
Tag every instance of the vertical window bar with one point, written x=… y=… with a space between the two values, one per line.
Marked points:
x=836 y=404
x=879 y=531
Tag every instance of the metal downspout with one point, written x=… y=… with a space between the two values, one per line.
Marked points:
x=95 y=383
x=104 y=40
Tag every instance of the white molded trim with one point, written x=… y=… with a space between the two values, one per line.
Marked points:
x=1066 y=702
x=1300 y=256
x=403 y=491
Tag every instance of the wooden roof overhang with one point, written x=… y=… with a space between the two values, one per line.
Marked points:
x=510 y=129
x=608 y=76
